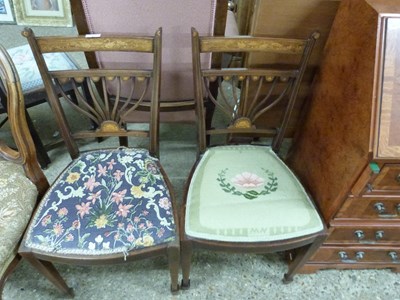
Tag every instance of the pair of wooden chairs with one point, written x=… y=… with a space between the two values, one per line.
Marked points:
x=115 y=205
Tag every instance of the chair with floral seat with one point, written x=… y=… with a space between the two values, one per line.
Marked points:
x=112 y=204
x=22 y=181
x=241 y=197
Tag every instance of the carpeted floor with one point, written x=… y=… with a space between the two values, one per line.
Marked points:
x=214 y=275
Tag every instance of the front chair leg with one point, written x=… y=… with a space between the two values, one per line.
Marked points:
x=173 y=262
x=11 y=267
x=186 y=261
x=50 y=272
x=301 y=258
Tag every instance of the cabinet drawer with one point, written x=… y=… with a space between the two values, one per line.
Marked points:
x=357 y=255
x=365 y=235
x=387 y=179
x=370 y=208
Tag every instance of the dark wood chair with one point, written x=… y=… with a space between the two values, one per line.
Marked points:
x=22 y=181
x=33 y=89
x=109 y=205
x=176 y=18
x=241 y=197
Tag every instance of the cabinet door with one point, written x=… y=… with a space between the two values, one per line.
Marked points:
x=389 y=110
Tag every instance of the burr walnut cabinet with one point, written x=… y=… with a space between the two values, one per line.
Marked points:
x=348 y=150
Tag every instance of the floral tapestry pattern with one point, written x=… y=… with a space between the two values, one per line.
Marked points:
x=27 y=68
x=107 y=201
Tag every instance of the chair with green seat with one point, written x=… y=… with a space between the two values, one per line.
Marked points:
x=241 y=197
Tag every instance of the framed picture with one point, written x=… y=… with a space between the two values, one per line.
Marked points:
x=43 y=12
x=6 y=12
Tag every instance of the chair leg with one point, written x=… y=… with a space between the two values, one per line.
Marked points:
x=11 y=267
x=41 y=151
x=186 y=261
x=47 y=269
x=301 y=258
x=174 y=262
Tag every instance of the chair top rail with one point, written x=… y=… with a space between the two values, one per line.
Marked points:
x=93 y=43
x=252 y=44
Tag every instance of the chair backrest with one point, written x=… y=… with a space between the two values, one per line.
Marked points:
x=176 y=17
x=241 y=107
x=25 y=152
x=94 y=104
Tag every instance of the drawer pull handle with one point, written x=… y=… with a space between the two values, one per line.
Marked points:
x=398 y=178
x=395 y=258
x=345 y=258
x=381 y=210
x=360 y=255
x=359 y=234
x=379 y=235
x=380 y=207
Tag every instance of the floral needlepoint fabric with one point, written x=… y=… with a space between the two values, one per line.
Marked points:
x=28 y=71
x=246 y=193
x=107 y=201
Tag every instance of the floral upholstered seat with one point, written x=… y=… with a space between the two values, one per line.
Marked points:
x=106 y=201
x=27 y=68
x=246 y=202
x=17 y=200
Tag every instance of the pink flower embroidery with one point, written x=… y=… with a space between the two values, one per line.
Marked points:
x=118 y=174
x=123 y=210
x=102 y=171
x=248 y=180
x=111 y=164
x=129 y=228
x=76 y=224
x=46 y=220
x=58 y=229
x=164 y=203
x=62 y=212
x=94 y=196
x=91 y=183
x=83 y=209
x=118 y=197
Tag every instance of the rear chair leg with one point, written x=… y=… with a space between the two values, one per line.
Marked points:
x=186 y=260
x=50 y=272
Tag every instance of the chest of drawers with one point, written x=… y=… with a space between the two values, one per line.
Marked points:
x=348 y=151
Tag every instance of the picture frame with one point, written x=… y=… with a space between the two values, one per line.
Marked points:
x=6 y=12
x=43 y=12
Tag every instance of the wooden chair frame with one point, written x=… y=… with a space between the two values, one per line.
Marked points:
x=25 y=153
x=241 y=126
x=107 y=115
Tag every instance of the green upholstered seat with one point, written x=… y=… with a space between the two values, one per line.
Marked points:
x=247 y=194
